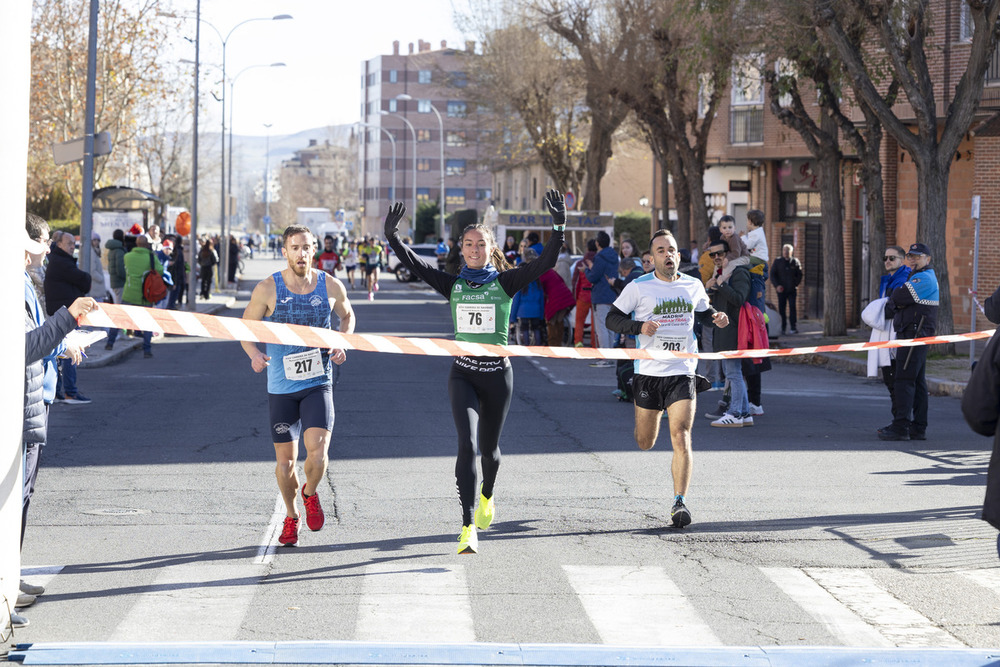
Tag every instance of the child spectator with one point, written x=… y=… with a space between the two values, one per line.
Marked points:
x=738 y=255
x=756 y=239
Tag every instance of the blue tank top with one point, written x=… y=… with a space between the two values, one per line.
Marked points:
x=311 y=310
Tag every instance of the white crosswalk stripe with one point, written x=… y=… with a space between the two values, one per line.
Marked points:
x=840 y=621
x=627 y=606
x=897 y=622
x=418 y=604
x=192 y=602
x=638 y=606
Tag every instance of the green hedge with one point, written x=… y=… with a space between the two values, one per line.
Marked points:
x=633 y=225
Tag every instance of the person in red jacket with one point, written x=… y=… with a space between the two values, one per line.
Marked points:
x=581 y=292
x=558 y=302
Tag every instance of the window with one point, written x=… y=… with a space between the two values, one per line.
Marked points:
x=800 y=205
x=454 y=167
x=484 y=194
x=371 y=79
x=392 y=76
x=785 y=69
x=423 y=135
x=392 y=105
x=423 y=194
x=423 y=164
x=459 y=79
x=423 y=106
x=455 y=138
x=424 y=76
x=746 y=113
x=966 y=25
x=456 y=109
x=454 y=196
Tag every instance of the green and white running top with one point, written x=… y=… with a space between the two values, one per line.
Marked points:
x=480 y=314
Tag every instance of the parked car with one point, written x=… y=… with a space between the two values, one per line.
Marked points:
x=426 y=250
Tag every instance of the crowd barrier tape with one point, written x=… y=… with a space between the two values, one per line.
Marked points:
x=186 y=323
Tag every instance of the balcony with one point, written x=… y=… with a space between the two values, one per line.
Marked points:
x=746 y=124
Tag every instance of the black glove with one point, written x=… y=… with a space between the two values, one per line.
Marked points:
x=556 y=204
x=392 y=219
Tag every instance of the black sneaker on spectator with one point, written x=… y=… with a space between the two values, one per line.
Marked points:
x=76 y=399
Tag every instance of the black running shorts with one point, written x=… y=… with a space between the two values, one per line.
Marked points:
x=658 y=393
x=291 y=414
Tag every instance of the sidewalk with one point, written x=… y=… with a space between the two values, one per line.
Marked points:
x=97 y=356
x=945 y=377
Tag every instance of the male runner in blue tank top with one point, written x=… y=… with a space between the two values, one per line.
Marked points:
x=299 y=379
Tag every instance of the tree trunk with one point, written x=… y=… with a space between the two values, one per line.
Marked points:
x=831 y=206
x=598 y=153
x=876 y=228
x=932 y=202
x=682 y=194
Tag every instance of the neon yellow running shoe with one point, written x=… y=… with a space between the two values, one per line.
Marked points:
x=485 y=511
x=468 y=543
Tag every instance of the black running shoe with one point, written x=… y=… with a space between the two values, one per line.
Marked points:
x=679 y=514
x=891 y=434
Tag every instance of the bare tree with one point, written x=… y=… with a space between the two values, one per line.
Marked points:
x=676 y=72
x=531 y=90
x=130 y=79
x=601 y=42
x=901 y=30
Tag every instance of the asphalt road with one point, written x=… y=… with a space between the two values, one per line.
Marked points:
x=155 y=513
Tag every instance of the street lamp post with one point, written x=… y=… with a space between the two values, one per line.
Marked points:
x=437 y=113
x=405 y=97
x=413 y=134
x=224 y=240
x=267 y=184
x=232 y=98
x=392 y=140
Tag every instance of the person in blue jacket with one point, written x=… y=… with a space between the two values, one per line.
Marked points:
x=527 y=308
x=603 y=266
x=914 y=308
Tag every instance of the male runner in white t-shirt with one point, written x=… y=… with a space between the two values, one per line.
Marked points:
x=659 y=308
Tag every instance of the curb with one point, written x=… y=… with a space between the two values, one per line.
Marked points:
x=935 y=386
x=129 y=345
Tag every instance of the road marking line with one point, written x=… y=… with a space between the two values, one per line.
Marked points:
x=839 y=621
x=192 y=602
x=900 y=624
x=986 y=578
x=265 y=552
x=40 y=575
x=415 y=604
x=638 y=606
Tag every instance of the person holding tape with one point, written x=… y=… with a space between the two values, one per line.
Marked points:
x=660 y=308
x=480 y=388
x=299 y=379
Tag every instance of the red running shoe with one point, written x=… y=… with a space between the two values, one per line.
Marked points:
x=314 y=513
x=290 y=532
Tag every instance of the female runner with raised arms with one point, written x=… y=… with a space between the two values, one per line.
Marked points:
x=480 y=388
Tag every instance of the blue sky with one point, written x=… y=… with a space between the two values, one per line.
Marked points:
x=323 y=47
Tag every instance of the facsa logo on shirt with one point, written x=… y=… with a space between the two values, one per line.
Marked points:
x=316 y=301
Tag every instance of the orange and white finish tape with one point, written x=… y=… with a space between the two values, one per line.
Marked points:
x=185 y=323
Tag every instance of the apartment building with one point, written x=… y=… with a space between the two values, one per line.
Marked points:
x=417 y=99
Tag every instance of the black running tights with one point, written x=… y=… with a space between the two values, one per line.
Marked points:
x=479 y=404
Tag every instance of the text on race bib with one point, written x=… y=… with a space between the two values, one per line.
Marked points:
x=304 y=365
x=475 y=318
